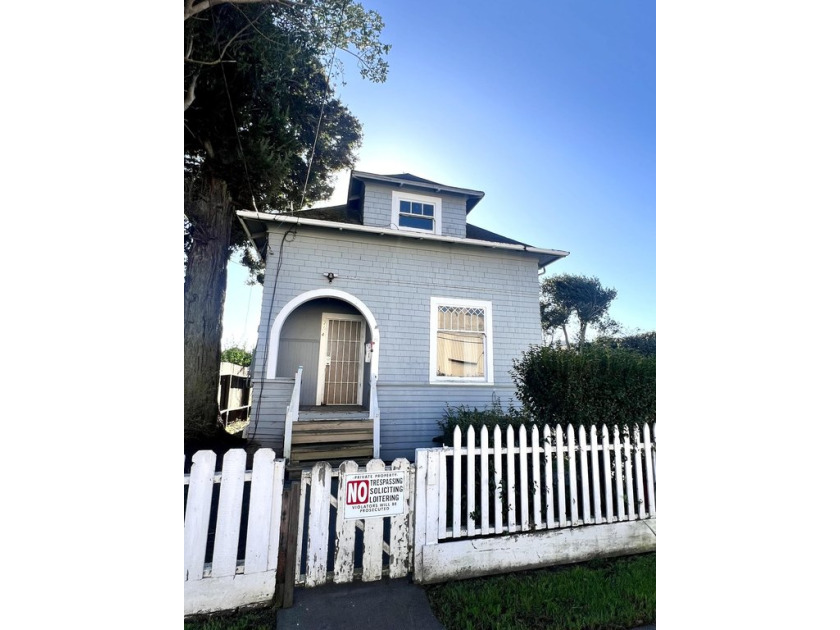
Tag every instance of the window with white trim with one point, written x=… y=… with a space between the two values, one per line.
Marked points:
x=461 y=348
x=415 y=212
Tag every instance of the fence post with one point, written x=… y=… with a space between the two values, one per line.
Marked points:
x=287 y=552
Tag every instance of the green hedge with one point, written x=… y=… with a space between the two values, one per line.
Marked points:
x=464 y=417
x=599 y=386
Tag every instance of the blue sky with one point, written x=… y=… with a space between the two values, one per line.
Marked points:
x=549 y=108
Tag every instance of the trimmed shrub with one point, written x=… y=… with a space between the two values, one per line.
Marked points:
x=599 y=386
x=464 y=417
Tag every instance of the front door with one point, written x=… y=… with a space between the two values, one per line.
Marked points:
x=341 y=360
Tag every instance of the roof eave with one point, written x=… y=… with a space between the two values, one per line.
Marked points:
x=545 y=256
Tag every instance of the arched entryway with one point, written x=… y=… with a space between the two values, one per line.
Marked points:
x=335 y=338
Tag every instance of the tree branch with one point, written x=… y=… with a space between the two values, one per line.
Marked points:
x=194 y=7
x=190 y=97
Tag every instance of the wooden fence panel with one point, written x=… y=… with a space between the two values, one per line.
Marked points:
x=511 y=476
x=485 y=483
x=536 y=486
x=549 y=478
x=596 y=477
x=227 y=581
x=605 y=453
x=345 y=538
x=523 y=488
x=373 y=537
x=497 y=479
x=471 y=481
x=319 y=524
x=602 y=481
x=561 y=474
x=260 y=513
x=197 y=516
x=619 y=476
x=399 y=560
x=456 y=483
x=226 y=543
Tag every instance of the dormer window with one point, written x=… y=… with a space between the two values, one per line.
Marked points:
x=416 y=213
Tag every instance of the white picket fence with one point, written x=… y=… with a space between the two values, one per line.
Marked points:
x=485 y=505
x=227 y=579
x=552 y=482
x=332 y=551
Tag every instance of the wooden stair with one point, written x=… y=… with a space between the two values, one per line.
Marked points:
x=331 y=440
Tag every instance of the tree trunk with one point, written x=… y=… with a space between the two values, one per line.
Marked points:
x=207 y=208
x=582 y=339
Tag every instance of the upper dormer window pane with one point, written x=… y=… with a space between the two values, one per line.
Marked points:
x=416 y=212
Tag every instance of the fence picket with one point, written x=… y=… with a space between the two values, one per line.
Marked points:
x=279 y=475
x=536 y=489
x=345 y=530
x=637 y=454
x=619 y=476
x=596 y=476
x=484 y=483
x=573 y=497
x=523 y=478
x=497 y=479
x=605 y=445
x=584 y=475
x=197 y=514
x=432 y=515
x=471 y=481
x=400 y=541
x=561 y=474
x=259 y=512
x=549 y=479
x=651 y=493
x=305 y=486
x=456 y=483
x=425 y=493
x=440 y=461
x=628 y=475
x=654 y=452
x=511 y=484
x=226 y=543
x=372 y=556
x=319 y=523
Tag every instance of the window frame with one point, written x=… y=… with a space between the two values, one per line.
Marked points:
x=397 y=196
x=487 y=379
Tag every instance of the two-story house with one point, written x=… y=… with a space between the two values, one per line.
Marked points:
x=378 y=313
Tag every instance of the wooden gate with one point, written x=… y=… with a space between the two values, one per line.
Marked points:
x=333 y=546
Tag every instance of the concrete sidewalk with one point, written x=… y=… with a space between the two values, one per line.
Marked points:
x=384 y=605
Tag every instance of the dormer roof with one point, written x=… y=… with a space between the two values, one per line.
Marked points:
x=410 y=182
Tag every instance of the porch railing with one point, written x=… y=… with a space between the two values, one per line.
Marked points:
x=292 y=414
x=374 y=415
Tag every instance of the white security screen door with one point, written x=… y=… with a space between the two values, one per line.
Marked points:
x=341 y=360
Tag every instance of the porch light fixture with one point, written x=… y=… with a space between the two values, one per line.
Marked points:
x=330 y=276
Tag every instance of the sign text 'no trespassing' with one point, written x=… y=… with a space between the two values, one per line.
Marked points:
x=372 y=494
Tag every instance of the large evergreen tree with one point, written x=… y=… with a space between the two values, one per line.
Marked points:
x=256 y=96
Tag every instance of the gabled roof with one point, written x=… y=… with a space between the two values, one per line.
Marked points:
x=409 y=181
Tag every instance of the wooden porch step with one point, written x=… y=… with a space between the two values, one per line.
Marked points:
x=331 y=431
x=329 y=452
x=331 y=440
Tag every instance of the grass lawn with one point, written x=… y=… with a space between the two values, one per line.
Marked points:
x=249 y=619
x=609 y=594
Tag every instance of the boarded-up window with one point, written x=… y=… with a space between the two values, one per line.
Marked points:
x=461 y=341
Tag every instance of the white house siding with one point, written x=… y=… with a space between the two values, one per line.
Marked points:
x=379 y=199
x=396 y=278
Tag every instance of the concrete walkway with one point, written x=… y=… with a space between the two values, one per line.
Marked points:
x=385 y=605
